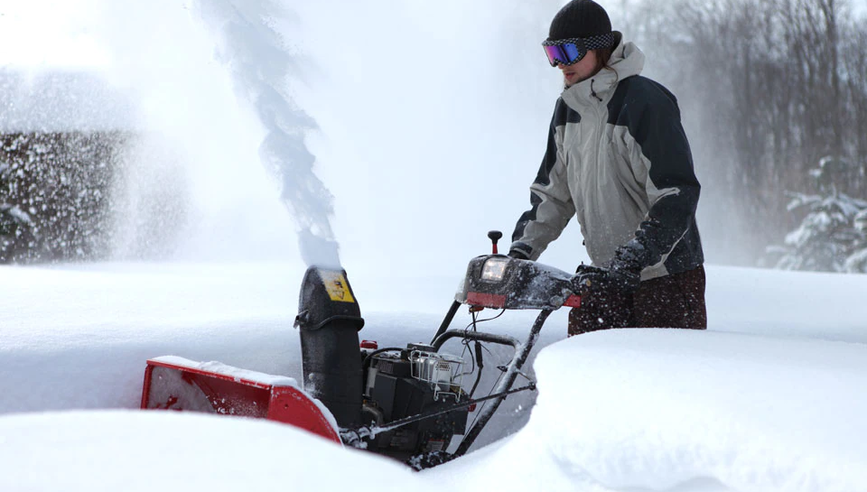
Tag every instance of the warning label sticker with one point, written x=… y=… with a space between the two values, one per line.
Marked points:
x=338 y=289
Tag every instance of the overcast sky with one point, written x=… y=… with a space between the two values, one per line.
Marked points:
x=37 y=33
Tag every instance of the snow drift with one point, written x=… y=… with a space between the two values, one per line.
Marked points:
x=768 y=399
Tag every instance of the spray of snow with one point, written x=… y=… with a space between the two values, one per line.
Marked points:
x=260 y=64
x=191 y=184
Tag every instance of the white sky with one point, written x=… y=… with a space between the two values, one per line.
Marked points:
x=52 y=33
x=60 y=33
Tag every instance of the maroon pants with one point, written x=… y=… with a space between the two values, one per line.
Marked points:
x=673 y=301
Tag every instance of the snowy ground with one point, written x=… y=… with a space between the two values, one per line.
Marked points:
x=770 y=398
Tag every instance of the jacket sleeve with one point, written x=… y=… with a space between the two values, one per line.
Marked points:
x=550 y=200
x=661 y=151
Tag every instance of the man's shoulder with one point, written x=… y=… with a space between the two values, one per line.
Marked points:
x=641 y=89
x=636 y=94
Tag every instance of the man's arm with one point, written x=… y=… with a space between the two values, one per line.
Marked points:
x=660 y=148
x=550 y=200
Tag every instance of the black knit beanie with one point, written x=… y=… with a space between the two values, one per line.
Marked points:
x=580 y=19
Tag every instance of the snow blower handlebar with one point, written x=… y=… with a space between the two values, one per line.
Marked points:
x=502 y=282
x=504 y=388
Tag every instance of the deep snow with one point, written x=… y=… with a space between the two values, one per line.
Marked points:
x=768 y=399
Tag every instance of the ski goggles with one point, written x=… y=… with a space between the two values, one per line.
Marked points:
x=573 y=50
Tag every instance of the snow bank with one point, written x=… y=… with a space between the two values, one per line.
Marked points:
x=770 y=398
x=828 y=306
x=658 y=409
x=131 y=451
x=78 y=337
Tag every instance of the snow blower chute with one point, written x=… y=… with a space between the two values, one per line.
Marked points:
x=408 y=402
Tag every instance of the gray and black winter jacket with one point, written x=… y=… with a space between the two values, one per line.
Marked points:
x=619 y=160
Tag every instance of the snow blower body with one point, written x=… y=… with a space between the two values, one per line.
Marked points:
x=408 y=402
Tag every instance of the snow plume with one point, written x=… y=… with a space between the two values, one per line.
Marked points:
x=191 y=186
x=260 y=64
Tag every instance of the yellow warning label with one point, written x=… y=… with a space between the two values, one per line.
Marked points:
x=338 y=289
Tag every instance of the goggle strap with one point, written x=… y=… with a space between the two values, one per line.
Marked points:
x=590 y=43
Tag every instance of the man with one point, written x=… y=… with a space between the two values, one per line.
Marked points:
x=619 y=160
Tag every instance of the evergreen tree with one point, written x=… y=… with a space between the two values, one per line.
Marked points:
x=857 y=261
x=832 y=236
x=15 y=224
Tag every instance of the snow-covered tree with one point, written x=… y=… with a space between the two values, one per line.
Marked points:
x=54 y=195
x=833 y=234
x=15 y=228
x=857 y=261
x=15 y=224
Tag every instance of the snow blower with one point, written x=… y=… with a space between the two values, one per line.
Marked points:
x=408 y=403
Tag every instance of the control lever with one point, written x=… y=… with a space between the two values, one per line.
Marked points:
x=494 y=236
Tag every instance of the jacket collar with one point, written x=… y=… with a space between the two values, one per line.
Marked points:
x=626 y=60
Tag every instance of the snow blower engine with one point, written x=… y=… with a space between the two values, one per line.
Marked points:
x=405 y=402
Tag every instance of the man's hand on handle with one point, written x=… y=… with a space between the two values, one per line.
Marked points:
x=624 y=274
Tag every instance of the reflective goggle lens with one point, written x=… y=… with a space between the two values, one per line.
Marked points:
x=566 y=53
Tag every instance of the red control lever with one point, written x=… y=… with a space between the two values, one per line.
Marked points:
x=494 y=236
